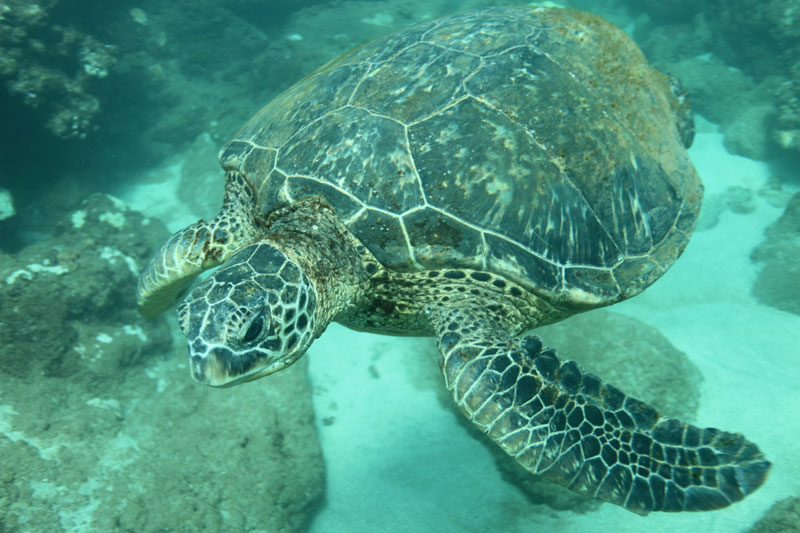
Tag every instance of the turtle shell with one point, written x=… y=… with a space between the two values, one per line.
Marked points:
x=530 y=142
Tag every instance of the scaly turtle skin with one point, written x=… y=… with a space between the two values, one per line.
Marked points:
x=470 y=178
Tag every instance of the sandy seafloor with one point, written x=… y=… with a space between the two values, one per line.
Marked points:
x=398 y=461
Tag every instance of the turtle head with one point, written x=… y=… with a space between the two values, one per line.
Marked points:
x=252 y=317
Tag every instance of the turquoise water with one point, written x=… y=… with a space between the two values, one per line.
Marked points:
x=114 y=118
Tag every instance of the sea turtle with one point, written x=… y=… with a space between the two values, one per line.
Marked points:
x=469 y=178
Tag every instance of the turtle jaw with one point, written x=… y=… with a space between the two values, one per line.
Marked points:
x=222 y=367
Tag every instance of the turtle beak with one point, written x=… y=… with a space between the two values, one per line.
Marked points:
x=222 y=367
x=209 y=368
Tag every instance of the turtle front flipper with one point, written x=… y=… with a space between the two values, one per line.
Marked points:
x=571 y=428
x=203 y=245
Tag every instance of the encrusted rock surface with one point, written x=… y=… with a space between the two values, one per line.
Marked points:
x=79 y=279
x=51 y=65
x=757 y=40
x=778 y=281
x=783 y=517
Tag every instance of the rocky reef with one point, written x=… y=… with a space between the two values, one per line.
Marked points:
x=52 y=66
x=778 y=281
x=101 y=427
x=742 y=52
x=116 y=88
x=144 y=79
x=763 y=39
x=783 y=517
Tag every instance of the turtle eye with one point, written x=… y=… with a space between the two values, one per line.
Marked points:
x=254 y=330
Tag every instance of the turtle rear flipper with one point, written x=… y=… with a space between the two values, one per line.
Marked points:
x=203 y=245
x=570 y=428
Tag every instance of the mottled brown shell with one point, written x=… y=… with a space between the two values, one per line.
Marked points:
x=534 y=143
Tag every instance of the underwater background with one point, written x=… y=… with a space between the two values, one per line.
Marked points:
x=111 y=117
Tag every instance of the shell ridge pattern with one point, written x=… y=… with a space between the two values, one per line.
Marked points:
x=302 y=129
x=471 y=141
x=667 y=235
x=413 y=161
x=498 y=53
x=337 y=188
x=425 y=80
x=373 y=113
x=564 y=176
x=357 y=86
x=448 y=48
x=493 y=233
x=410 y=248
x=256 y=128
x=221 y=154
x=556 y=162
x=470 y=94
x=373 y=65
x=438 y=112
x=352 y=102
x=341 y=165
x=511 y=240
x=436 y=25
x=639 y=216
x=484 y=231
x=263 y=183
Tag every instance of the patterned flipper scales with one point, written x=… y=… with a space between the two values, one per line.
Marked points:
x=571 y=428
x=203 y=245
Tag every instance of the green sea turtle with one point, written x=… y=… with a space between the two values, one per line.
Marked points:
x=470 y=178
